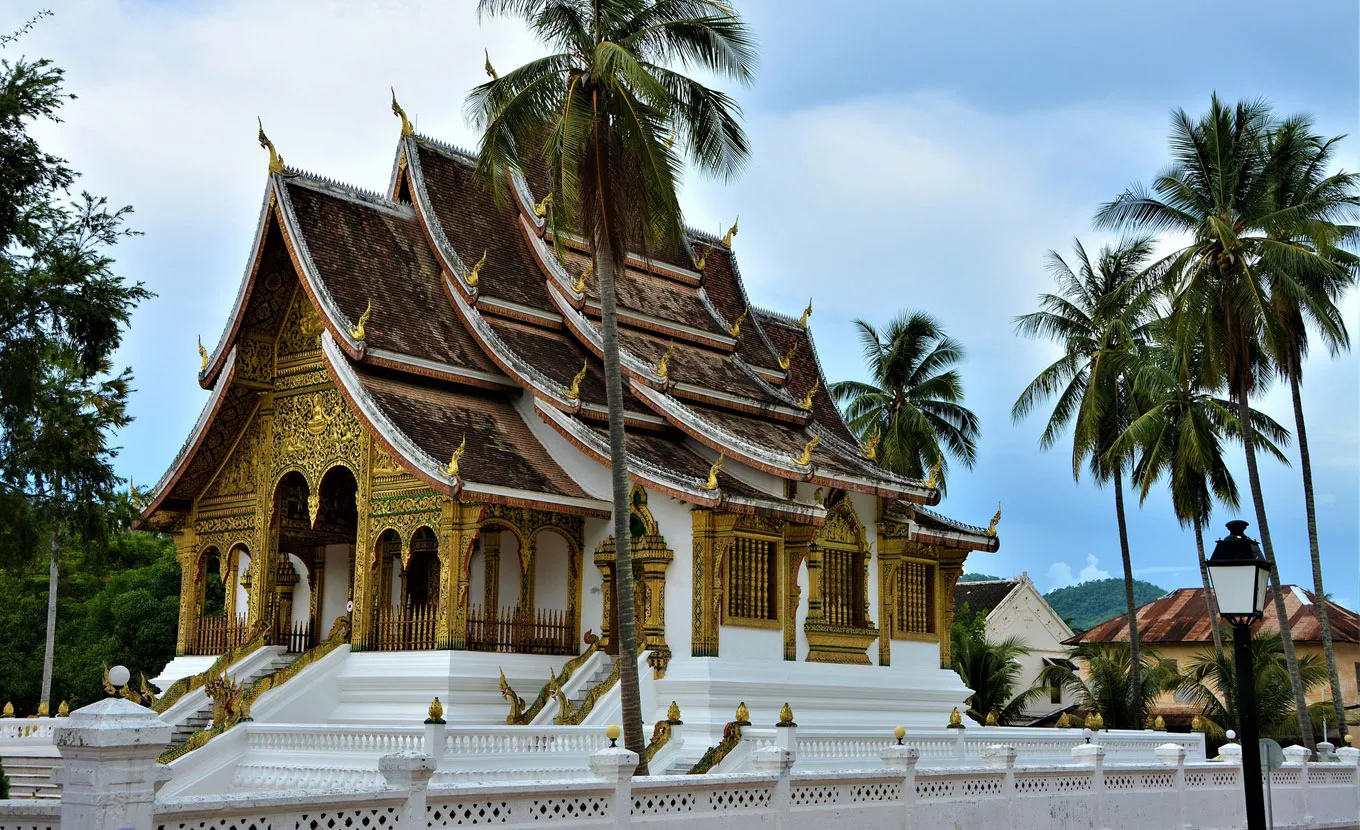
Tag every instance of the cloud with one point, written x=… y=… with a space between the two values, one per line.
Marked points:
x=1060 y=573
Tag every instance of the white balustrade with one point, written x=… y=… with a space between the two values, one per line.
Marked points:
x=25 y=731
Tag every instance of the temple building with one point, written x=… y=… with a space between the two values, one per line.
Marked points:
x=407 y=433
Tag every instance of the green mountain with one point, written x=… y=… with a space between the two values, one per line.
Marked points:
x=1090 y=603
x=978 y=578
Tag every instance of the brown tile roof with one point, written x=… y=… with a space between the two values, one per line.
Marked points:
x=554 y=353
x=1183 y=617
x=804 y=371
x=650 y=294
x=722 y=284
x=983 y=596
x=696 y=365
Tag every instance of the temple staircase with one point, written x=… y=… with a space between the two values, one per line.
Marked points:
x=594 y=681
x=30 y=776
x=198 y=719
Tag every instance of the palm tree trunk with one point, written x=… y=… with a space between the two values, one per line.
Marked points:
x=50 y=648
x=618 y=468
x=1291 y=658
x=1135 y=664
x=1320 y=604
x=1209 y=599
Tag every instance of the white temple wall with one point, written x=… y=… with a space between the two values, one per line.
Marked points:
x=477 y=573
x=302 y=592
x=866 y=508
x=551 y=553
x=801 y=617
x=592 y=581
x=242 y=595
x=759 y=479
x=508 y=592
x=335 y=585
x=677 y=528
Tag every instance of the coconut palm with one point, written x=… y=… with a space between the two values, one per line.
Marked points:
x=1101 y=677
x=914 y=402
x=1209 y=681
x=1099 y=317
x=991 y=670
x=1179 y=434
x=613 y=123
x=1300 y=162
x=1243 y=247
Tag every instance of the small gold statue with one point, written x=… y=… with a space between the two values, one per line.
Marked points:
x=276 y=164
x=541 y=209
x=663 y=369
x=996 y=519
x=436 y=712
x=870 y=447
x=735 y=330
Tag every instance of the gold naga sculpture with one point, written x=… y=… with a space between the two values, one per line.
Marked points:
x=806 y=403
x=276 y=164
x=406 y=128
x=996 y=519
x=700 y=261
x=933 y=477
x=202 y=355
x=475 y=274
x=807 y=312
x=735 y=328
x=712 y=483
x=731 y=232
x=490 y=70
x=663 y=369
x=358 y=332
x=579 y=285
x=806 y=457
x=574 y=393
x=516 y=702
x=869 y=449
x=452 y=470
x=786 y=359
x=541 y=209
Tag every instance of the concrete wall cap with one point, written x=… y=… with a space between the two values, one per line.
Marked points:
x=112 y=722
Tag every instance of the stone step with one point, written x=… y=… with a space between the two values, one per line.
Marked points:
x=31 y=777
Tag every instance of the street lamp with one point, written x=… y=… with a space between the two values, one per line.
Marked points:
x=1239 y=573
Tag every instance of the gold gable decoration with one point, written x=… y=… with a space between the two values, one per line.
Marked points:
x=806 y=457
x=786 y=359
x=406 y=128
x=731 y=232
x=276 y=164
x=541 y=209
x=996 y=519
x=806 y=403
x=574 y=393
x=735 y=329
x=358 y=331
x=452 y=469
x=475 y=275
x=712 y=483
x=807 y=312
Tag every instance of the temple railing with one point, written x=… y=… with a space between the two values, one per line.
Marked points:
x=222 y=633
x=520 y=631
x=410 y=628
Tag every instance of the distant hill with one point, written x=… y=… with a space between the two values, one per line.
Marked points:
x=1090 y=603
x=977 y=578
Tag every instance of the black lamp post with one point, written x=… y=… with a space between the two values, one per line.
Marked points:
x=1239 y=575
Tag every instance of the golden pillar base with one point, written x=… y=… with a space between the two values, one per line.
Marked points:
x=839 y=644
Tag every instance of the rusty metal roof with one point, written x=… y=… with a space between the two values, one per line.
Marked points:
x=1182 y=617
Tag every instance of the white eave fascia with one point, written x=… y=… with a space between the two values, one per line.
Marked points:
x=509 y=308
x=628 y=415
x=442 y=368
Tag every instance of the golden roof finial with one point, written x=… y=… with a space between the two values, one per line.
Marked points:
x=202 y=355
x=786 y=359
x=996 y=519
x=490 y=70
x=701 y=261
x=663 y=369
x=275 y=160
x=452 y=470
x=406 y=128
x=806 y=458
x=8 y=711
x=933 y=477
x=579 y=286
x=736 y=324
x=42 y=709
x=541 y=209
x=731 y=232
x=807 y=312
x=673 y=712
x=743 y=714
x=870 y=447
x=64 y=710
x=806 y=403
x=436 y=712
x=712 y=483
x=475 y=274
x=786 y=715
x=991 y=719
x=358 y=331
x=956 y=719
x=574 y=393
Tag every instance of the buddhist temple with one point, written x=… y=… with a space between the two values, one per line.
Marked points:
x=406 y=436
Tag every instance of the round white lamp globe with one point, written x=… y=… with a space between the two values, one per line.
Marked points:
x=119 y=676
x=1232 y=736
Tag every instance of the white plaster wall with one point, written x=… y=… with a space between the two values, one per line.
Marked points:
x=242 y=595
x=477 y=575
x=335 y=585
x=741 y=643
x=759 y=479
x=676 y=526
x=551 y=554
x=1025 y=614
x=801 y=616
x=592 y=581
x=508 y=593
x=302 y=592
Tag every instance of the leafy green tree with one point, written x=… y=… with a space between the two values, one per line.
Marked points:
x=613 y=124
x=1209 y=681
x=914 y=399
x=1087 y=604
x=1102 y=679
x=62 y=314
x=1099 y=316
x=990 y=669
x=1244 y=247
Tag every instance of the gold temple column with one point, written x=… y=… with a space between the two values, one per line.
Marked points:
x=816 y=600
x=316 y=596
x=525 y=601
x=946 y=577
x=491 y=560
x=651 y=558
x=712 y=533
x=459 y=524
x=285 y=581
x=796 y=541
x=186 y=554
x=888 y=563
x=263 y=596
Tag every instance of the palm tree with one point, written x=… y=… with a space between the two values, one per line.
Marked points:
x=1179 y=434
x=1209 y=681
x=991 y=670
x=1300 y=161
x=1099 y=317
x=914 y=404
x=1107 y=680
x=600 y=113
x=1219 y=192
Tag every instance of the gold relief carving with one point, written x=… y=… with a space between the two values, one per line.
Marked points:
x=301 y=330
x=313 y=441
x=254 y=360
x=385 y=465
x=712 y=534
x=287 y=381
x=239 y=475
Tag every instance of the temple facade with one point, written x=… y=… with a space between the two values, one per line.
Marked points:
x=406 y=433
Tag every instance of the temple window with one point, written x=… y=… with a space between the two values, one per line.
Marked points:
x=916 y=597
x=843 y=587
x=753 y=596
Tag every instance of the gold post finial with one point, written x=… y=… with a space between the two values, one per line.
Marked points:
x=358 y=331
x=673 y=712
x=406 y=128
x=731 y=232
x=996 y=519
x=541 y=209
x=490 y=70
x=806 y=403
x=202 y=355
x=452 y=470
x=275 y=160
x=807 y=312
x=870 y=446
x=806 y=457
x=786 y=715
x=663 y=369
x=475 y=275
x=64 y=710
x=1159 y=723
x=933 y=477
x=786 y=359
x=574 y=393
x=712 y=483
x=436 y=712
x=991 y=719
x=42 y=709
x=8 y=711
x=579 y=286
x=743 y=714
x=736 y=324
x=955 y=719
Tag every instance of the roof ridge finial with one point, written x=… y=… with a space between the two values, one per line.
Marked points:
x=806 y=458
x=406 y=128
x=712 y=483
x=806 y=403
x=735 y=330
x=807 y=312
x=731 y=232
x=490 y=70
x=475 y=275
x=662 y=369
x=276 y=164
x=452 y=470
x=574 y=394
x=786 y=359
x=996 y=519
x=202 y=355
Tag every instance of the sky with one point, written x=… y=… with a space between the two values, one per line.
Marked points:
x=907 y=155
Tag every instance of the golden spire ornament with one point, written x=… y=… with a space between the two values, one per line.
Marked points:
x=736 y=324
x=712 y=483
x=955 y=719
x=806 y=457
x=475 y=275
x=786 y=359
x=663 y=369
x=406 y=128
x=673 y=712
x=933 y=477
x=870 y=447
x=436 y=712
x=42 y=709
x=358 y=331
x=452 y=470
x=574 y=393
x=8 y=711
x=807 y=312
x=731 y=232
x=490 y=70
x=743 y=714
x=275 y=160
x=541 y=209
x=202 y=355
x=64 y=710
x=806 y=403
x=991 y=719
x=996 y=519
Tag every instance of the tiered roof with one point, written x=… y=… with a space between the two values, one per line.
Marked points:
x=475 y=303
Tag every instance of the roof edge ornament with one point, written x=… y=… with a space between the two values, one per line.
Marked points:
x=933 y=477
x=579 y=284
x=735 y=329
x=357 y=332
x=806 y=403
x=701 y=260
x=807 y=312
x=712 y=483
x=786 y=359
x=731 y=232
x=452 y=469
x=541 y=208
x=805 y=459
x=475 y=273
x=996 y=519
x=276 y=164
x=662 y=368
x=574 y=393
x=202 y=355
x=869 y=449
x=406 y=128
x=490 y=70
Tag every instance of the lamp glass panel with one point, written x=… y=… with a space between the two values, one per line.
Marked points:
x=1234 y=587
x=1262 y=581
